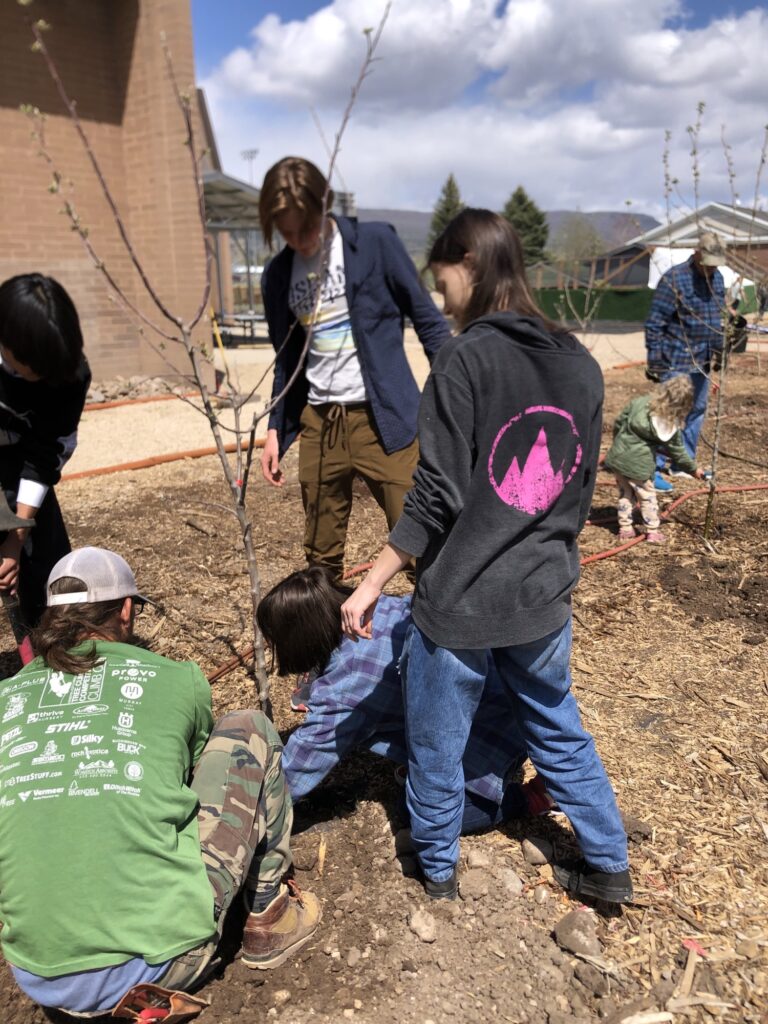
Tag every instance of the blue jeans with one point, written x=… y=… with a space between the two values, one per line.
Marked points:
x=695 y=418
x=441 y=691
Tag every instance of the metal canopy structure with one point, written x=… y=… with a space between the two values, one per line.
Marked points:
x=230 y=204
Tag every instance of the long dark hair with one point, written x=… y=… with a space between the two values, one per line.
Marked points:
x=499 y=281
x=300 y=619
x=40 y=327
x=64 y=626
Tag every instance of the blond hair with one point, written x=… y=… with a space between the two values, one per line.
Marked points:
x=672 y=400
x=293 y=183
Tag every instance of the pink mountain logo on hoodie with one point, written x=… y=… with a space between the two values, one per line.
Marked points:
x=537 y=484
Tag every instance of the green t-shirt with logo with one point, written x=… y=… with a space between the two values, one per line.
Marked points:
x=99 y=848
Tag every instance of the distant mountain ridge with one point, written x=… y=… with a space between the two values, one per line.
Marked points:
x=615 y=227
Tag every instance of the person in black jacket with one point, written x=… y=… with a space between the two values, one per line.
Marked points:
x=354 y=397
x=44 y=379
x=509 y=436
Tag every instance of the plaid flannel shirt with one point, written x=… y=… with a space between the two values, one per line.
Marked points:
x=684 y=326
x=358 y=702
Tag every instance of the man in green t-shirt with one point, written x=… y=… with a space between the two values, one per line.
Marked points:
x=128 y=821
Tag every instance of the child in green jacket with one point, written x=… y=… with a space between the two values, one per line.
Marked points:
x=647 y=423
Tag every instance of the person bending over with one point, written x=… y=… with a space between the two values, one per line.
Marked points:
x=44 y=380
x=640 y=429
x=356 y=700
x=128 y=820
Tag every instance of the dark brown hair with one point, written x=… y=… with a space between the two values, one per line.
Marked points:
x=300 y=619
x=499 y=281
x=40 y=327
x=293 y=183
x=64 y=626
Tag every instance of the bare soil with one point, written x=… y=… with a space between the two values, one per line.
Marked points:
x=671 y=669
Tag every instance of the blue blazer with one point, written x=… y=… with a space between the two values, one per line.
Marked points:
x=383 y=288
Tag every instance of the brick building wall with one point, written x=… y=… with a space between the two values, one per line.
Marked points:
x=111 y=61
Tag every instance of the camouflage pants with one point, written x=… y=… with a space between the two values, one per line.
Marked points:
x=245 y=820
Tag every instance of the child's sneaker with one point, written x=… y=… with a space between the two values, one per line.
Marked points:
x=662 y=485
x=626 y=533
x=655 y=537
x=300 y=695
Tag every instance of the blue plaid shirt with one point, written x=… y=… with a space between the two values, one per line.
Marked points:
x=358 y=702
x=684 y=326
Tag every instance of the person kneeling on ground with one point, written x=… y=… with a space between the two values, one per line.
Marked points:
x=356 y=699
x=644 y=425
x=128 y=820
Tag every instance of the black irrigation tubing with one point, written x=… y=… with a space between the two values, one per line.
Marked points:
x=729 y=455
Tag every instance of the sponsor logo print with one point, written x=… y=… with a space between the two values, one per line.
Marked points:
x=90 y=752
x=95 y=769
x=134 y=771
x=23 y=748
x=25 y=795
x=67 y=726
x=124 y=725
x=92 y=709
x=44 y=716
x=125 y=747
x=59 y=685
x=15 y=707
x=50 y=754
x=78 y=741
x=20 y=780
x=7 y=801
x=76 y=790
x=116 y=787
x=8 y=737
x=84 y=688
x=47 y=794
x=132 y=691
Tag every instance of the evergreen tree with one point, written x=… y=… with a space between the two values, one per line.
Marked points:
x=529 y=222
x=447 y=207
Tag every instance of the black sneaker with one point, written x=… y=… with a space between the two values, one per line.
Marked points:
x=579 y=879
x=447 y=890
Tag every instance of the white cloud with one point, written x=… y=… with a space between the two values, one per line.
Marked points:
x=571 y=98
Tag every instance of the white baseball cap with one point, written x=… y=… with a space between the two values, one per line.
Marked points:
x=106 y=575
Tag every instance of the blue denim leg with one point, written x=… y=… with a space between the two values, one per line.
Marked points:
x=441 y=691
x=695 y=419
x=563 y=753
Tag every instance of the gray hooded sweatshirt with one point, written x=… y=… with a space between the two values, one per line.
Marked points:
x=509 y=436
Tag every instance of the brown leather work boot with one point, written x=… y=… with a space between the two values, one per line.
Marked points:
x=287 y=924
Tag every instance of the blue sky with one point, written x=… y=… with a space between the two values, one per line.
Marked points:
x=552 y=94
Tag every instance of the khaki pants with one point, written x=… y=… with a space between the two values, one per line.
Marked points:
x=337 y=443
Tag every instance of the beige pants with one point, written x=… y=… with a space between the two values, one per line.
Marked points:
x=645 y=495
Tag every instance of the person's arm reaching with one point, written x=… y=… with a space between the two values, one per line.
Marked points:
x=412 y=297
x=357 y=610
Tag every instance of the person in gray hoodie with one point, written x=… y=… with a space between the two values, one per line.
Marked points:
x=509 y=434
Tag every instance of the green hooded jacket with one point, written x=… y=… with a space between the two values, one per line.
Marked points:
x=633 y=452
